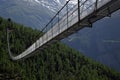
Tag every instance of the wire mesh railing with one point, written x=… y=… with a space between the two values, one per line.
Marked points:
x=65 y=18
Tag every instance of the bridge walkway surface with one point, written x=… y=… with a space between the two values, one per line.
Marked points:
x=68 y=20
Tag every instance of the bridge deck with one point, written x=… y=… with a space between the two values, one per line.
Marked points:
x=74 y=20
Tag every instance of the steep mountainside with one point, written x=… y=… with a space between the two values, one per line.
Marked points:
x=33 y=13
x=56 y=62
x=102 y=42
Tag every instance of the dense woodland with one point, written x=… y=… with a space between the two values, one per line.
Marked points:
x=56 y=62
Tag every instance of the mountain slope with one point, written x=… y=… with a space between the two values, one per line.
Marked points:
x=27 y=12
x=101 y=42
x=56 y=62
x=33 y=13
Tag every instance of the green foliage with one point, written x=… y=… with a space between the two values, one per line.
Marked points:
x=56 y=62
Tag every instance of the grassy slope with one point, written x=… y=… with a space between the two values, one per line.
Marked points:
x=56 y=62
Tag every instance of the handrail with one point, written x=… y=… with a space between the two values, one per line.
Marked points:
x=58 y=27
x=55 y=16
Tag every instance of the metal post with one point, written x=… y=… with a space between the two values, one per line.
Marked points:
x=67 y=14
x=46 y=32
x=96 y=4
x=52 y=29
x=42 y=39
x=78 y=10
x=109 y=14
x=58 y=23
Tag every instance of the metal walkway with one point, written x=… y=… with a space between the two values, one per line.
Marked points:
x=68 y=20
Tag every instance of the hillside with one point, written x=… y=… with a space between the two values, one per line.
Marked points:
x=56 y=62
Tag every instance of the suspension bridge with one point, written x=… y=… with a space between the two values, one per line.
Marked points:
x=68 y=20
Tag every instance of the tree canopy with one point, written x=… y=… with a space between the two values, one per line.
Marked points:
x=55 y=62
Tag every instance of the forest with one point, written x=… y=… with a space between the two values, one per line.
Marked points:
x=55 y=62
